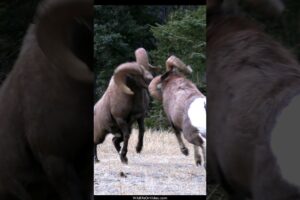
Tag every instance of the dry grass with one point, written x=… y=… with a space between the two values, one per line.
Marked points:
x=155 y=142
x=161 y=169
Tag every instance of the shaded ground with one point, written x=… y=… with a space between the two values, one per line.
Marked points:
x=160 y=169
x=215 y=192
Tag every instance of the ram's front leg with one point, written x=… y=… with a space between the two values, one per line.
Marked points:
x=139 y=145
x=125 y=128
x=117 y=139
x=95 y=154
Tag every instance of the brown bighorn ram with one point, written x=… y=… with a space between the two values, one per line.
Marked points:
x=251 y=80
x=46 y=106
x=183 y=104
x=125 y=101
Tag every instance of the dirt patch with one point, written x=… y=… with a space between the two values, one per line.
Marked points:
x=160 y=169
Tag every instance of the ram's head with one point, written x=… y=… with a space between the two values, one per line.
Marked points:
x=138 y=72
x=173 y=65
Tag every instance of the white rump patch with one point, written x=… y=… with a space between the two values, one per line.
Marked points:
x=197 y=115
x=285 y=140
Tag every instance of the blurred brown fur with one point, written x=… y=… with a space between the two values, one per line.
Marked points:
x=46 y=108
x=251 y=78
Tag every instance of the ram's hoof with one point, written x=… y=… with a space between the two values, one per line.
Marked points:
x=185 y=151
x=116 y=141
x=96 y=160
x=117 y=147
x=198 y=162
x=124 y=159
x=138 y=148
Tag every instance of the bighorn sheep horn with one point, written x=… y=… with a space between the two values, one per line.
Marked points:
x=173 y=61
x=121 y=72
x=141 y=57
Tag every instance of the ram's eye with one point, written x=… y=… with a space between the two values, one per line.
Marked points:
x=158 y=86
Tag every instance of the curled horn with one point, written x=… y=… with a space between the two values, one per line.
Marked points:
x=53 y=20
x=154 y=91
x=173 y=61
x=123 y=70
x=141 y=57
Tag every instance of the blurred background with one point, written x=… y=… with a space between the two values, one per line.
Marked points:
x=284 y=28
x=15 y=16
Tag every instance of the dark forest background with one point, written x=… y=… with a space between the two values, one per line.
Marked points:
x=162 y=30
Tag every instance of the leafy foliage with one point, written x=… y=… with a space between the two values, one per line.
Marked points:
x=183 y=35
x=119 y=30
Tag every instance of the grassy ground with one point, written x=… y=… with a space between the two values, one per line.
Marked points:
x=160 y=169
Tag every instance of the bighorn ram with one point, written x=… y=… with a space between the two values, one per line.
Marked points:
x=125 y=101
x=251 y=80
x=46 y=106
x=183 y=104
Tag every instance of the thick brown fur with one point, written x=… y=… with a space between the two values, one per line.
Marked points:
x=125 y=101
x=251 y=79
x=177 y=93
x=45 y=121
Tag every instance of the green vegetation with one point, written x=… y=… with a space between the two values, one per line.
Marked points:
x=182 y=35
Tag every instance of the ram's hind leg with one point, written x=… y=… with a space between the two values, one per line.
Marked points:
x=204 y=153
x=197 y=155
x=202 y=145
x=183 y=149
x=193 y=136
x=98 y=139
